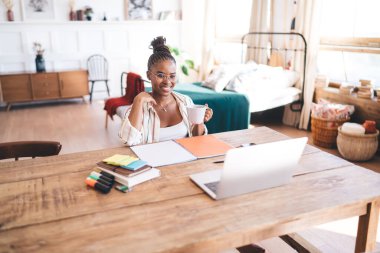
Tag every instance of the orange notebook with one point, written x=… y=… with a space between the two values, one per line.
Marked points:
x=204 y=146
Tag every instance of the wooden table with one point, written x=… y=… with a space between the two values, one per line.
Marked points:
x=45 y=205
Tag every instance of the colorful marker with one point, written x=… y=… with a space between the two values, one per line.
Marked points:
x=123 y=188
x=98 y=175
x=98 y=186
x=105 y=174
x=107 y=183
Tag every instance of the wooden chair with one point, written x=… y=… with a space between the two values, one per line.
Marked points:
x=29 y=149
x=97 y=66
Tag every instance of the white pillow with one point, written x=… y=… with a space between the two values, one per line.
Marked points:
x=264 y=76
x=221 y=75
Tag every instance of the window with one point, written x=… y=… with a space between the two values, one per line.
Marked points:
x=232 y=22
x=350 y=40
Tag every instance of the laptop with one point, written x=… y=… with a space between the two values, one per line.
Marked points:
x=252 y=168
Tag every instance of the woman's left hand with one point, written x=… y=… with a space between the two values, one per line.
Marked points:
x=208 y=114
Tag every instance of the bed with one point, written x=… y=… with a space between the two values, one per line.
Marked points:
x=274 y=79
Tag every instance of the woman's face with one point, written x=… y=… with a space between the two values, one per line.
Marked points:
x=163 y=77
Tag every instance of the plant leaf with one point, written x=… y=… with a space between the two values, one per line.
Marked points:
x=185 y=70
x=174 y=50
x=190 y=64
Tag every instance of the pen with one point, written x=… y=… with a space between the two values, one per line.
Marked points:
x=246 y=144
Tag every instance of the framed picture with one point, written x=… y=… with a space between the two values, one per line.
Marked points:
x=37 y=10
x=138 y=9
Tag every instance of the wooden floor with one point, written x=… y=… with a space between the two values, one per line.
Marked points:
x=80 y=127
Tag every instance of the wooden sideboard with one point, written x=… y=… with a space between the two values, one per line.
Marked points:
x=26 y=87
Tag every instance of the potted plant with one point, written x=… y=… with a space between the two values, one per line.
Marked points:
x=9 y=5
x=182 y=60
x=40 y=62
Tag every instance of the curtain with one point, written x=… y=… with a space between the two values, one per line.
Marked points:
x=209 y=20
x=306 y=22
x=259 y=23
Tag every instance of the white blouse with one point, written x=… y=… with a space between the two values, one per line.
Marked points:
x=173 y=132
x=150 y=131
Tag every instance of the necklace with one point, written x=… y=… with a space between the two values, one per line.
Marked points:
x=164 y=108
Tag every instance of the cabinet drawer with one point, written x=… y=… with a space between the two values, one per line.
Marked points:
x=45 y=85
x=16 y=88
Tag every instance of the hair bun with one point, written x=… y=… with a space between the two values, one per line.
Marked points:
x=158 y=45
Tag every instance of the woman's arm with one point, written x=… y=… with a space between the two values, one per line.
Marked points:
x=136 y=115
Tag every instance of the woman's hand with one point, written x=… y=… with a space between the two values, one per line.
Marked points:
x=199 y=129
x=144 y=97
x=136 y=114
x=208 y=114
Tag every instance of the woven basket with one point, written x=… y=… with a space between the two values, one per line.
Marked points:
x=357 y=147
x=324 y=131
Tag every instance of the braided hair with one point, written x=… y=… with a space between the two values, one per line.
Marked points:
x=161 y=52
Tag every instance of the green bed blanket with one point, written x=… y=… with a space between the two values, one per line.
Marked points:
x=231 y=109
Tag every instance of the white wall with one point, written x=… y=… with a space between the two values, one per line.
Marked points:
x=113 y=9
x=68 y=44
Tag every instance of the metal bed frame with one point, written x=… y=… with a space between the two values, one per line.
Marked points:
x=296 y=105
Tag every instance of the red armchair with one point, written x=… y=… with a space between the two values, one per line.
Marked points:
x=134 y=85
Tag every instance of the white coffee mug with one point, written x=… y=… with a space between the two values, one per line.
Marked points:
x=196 y=113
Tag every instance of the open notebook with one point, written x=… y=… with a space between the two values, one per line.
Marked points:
x=181 y=150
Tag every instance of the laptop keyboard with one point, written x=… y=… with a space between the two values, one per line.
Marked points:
x=212 y=186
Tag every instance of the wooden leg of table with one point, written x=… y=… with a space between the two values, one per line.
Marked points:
x=367 y=228
x=8 y=107
x=106 y=120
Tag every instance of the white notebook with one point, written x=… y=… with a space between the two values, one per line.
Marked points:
x=163 y=153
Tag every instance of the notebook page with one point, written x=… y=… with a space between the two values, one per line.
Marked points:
x=163 y=153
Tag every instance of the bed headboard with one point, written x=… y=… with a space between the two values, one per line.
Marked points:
x=272 y=47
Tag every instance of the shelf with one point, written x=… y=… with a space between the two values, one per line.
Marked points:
x=365 y=109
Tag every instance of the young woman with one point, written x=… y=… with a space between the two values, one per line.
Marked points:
x=160 y=115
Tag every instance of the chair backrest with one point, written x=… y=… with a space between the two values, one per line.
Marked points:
x=29 y=149
x=97 y=66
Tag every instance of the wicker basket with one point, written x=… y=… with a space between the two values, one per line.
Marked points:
x=324 y=131
x=357 y=147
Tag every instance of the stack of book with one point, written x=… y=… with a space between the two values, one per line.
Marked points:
x=128 y=170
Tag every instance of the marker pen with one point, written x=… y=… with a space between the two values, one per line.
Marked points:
x=98 y=186
x=105 y=174
x=107 y=183
x=96 y=174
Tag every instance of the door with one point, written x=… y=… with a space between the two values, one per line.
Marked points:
x=73 y=83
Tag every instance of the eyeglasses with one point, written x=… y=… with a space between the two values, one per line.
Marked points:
x=161 y=76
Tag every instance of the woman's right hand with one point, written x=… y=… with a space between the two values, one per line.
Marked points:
x=136 y=115
x=144 y=97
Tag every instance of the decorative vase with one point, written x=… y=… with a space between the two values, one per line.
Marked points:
x=73 y=15
x=10 y=15
x=80 y=14
x=40 y=63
